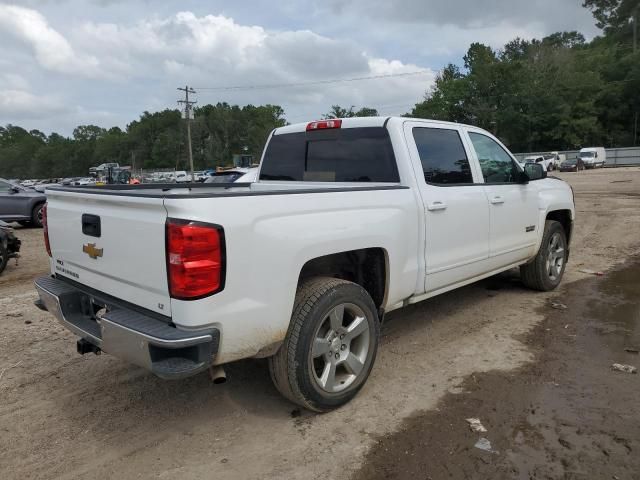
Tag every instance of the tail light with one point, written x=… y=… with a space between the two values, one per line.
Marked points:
x=45 y=229
x=195 y=259
x=324 y=125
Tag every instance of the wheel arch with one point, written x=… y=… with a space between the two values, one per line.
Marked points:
x=368 y=267
x=35 y=203
x=564 y=217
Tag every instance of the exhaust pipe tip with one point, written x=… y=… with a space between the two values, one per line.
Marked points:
x=218 y=375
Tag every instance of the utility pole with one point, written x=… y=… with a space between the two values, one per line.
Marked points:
x=187 y=116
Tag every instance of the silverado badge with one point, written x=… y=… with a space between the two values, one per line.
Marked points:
x=91 y=250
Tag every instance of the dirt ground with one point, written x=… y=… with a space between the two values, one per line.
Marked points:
x=567 y=415
x=552 y=407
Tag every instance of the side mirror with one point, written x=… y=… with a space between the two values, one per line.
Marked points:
x=14 y=189
x=535 y=171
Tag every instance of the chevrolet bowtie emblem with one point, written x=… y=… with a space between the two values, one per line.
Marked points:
x=91 y=250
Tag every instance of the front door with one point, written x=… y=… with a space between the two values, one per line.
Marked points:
x=513 y=206
x=455 y=206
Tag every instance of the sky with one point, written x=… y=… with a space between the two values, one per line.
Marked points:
x=70 y=62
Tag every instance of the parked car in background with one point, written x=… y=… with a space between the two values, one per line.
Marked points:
x=547 y=164
x=28 y=183
x=9 y=245
x=593 y=157
x=572 y=165
x=19 y=204
x=556 y=157
x=182 y=177
x=84 y=182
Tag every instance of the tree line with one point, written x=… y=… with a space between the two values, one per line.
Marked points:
x=556 y=93
x=560 y=92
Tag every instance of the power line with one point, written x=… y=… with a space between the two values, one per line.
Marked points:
x=317 y=82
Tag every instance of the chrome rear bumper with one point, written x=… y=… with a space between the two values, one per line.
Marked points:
x=135 y=337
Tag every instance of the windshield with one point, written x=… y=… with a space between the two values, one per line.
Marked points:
x=587 y=154
x=570 y=162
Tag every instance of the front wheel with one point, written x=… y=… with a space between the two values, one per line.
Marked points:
x=330 y=347
x=545 y=272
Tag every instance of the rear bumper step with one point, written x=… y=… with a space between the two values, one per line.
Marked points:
x=142 y=340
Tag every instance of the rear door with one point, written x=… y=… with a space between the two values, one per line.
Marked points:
x=455 y=205
x=513 y=206
x=112 y=243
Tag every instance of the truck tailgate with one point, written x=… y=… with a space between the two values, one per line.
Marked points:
x=125 y=259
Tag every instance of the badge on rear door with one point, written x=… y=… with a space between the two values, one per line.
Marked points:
x=91 y=250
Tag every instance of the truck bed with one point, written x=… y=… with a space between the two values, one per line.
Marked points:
x=213 y=190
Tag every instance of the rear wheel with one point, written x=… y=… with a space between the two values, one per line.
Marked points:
x=36 y=215
x=545 y=272
x=330 y=347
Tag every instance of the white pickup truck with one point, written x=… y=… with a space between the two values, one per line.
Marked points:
x=347 y=220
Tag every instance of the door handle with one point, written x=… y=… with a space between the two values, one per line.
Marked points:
x=437 y=205
x=498 y=199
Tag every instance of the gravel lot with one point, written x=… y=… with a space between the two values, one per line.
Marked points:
x=63 y=415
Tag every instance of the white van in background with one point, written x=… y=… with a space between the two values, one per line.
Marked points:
x=593 y=156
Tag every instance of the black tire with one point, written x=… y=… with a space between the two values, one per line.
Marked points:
x=545 y=271
x=4 y=257
x=36 y=215
x=294 y=369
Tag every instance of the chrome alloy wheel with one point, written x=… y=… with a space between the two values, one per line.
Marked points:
x=555 y=257
x=340 y=348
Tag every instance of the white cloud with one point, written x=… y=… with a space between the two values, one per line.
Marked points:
x=51 y=49
x=553 y=14
x=213 y=50
x=136 y=65
x=13 y=81
x=21 y=104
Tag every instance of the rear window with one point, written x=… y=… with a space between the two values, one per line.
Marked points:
x=337 y=155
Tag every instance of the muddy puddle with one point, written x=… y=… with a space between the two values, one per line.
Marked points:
x=567 y=415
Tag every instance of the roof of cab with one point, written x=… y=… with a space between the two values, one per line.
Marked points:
x=355 y=122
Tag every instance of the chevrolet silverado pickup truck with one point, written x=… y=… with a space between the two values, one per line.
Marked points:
x=348 y=220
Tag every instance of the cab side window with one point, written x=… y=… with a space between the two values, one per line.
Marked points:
x=4 y=187
x=496 y=164
x=444 y=160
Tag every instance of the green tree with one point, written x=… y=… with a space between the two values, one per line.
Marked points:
x=339 y=112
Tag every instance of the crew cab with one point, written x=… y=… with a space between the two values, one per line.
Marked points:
x=347 y=220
